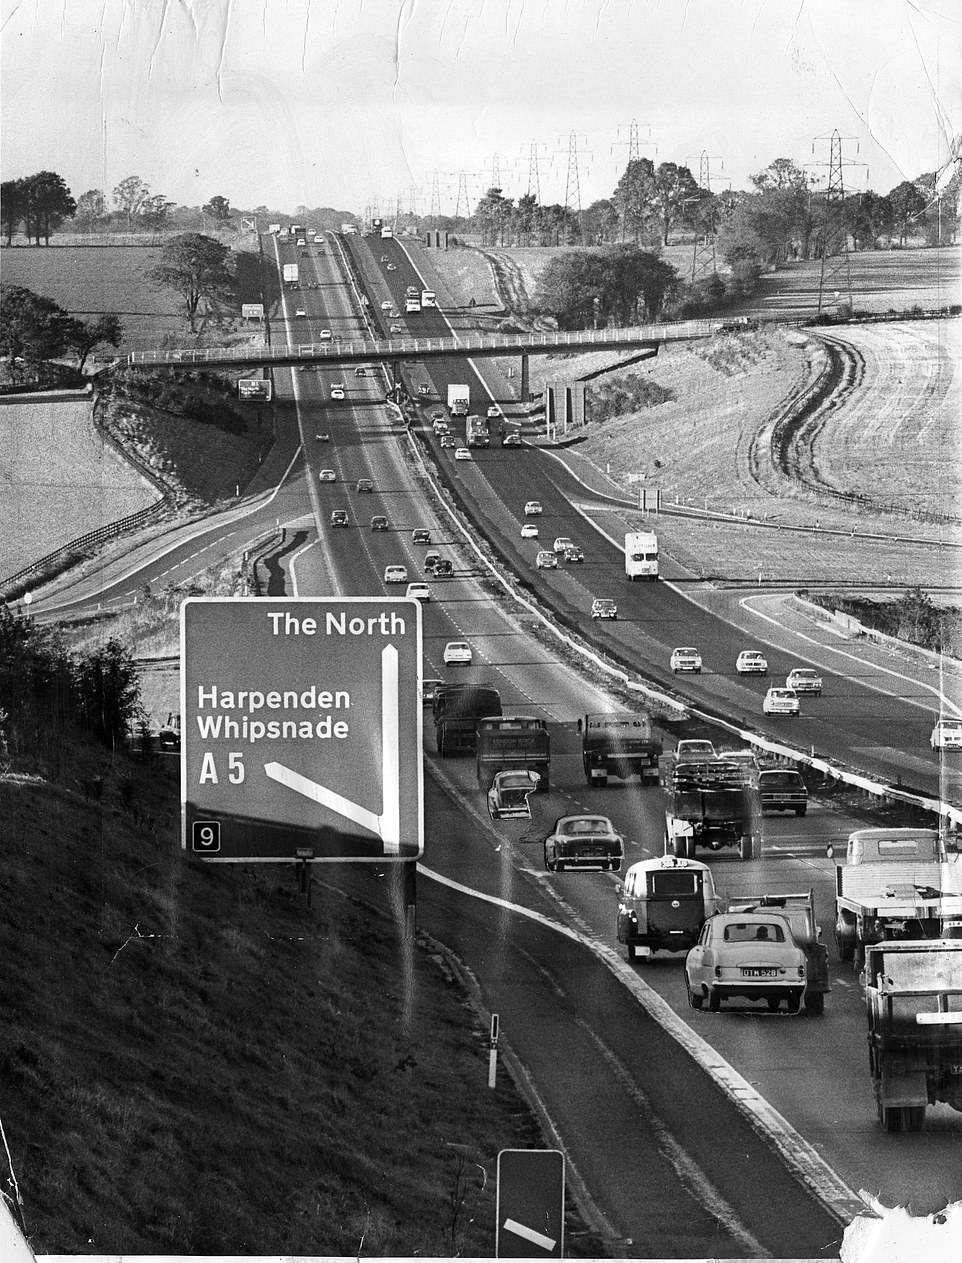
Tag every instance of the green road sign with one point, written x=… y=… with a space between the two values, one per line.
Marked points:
x=301 y=729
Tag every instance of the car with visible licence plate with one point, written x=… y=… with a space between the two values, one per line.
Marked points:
x=781 y=702
x=546 y=560
x=804 y=680
x=946 y=735
x=603 y=607
x=750 y=956
x=395 y=574
x=685 y=658
x=583 y=842
x=457 y=653
x=751 y=662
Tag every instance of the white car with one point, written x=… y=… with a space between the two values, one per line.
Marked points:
x=326 y=335
x=396 y=329
x=462 y=453
x=457 y=652
x=685 y=659
x=300 y=313
x=546 y=560
x=529 y=531
x=327 y=475
x=532 y=508
x=494 y=411
x=562 y=542
x=751 y=955
x=395 y=574
x=751 y=662
x=781 y=702
x=337 y=391
x=804 y=680
x=386 y=305
x=420 y=591
x=947 y=735
x=604 y=607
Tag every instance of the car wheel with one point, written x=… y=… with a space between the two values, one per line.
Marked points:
x=815 y=1003
x=793 y=1002
x=799 y=811
x=550 y=866
x=695 y=999
x=714 y=1001
x=559 y=867
x=913 y=1117
x=747 y=847
x=630 y=953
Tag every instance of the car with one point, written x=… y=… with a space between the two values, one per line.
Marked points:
x=395 y=314
x=546 y=560
x=529 y=531
x=395 y=574
x=573 y=555
x=751 y=662
x=302 y=241
x=781 y=702
x=327 y=475
x=508 y=795
x=603 y=607
x=440 y=426
x=782 y=789
x=429 y=687
x=750 y=955
x=168 y=736
x=561 y=543
x=392 y=267
x=326 y=335
x=396 y=329
x=420 y=591
x=384 y=258
x=494 y=411
x=804 y=680
x=532 y=508
x=339 y=518
x=386 y=305
x=946 y=735
x=364 y=486
x=379 y=522
x=511 y=439
x=360 y=371
x=585 y=842
x=462 y=453
x=424 y=389
x=431 y=559
x=444 y=567
x=323 y=437
x=695 y=749
x=300 y=313
x=420 y=536
x=449 y=440
x=457 y=653
x=685 y=659
x=337 y=391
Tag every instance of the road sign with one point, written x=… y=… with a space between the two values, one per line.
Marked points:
x=301 y=729
x=254 y=388
x=530 y=1204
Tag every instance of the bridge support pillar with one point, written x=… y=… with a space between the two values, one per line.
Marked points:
x=525 y=393
x=396 y=380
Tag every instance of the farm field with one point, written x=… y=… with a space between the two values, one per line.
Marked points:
x=61 y=480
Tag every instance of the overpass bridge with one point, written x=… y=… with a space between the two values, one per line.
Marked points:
x=369 y=350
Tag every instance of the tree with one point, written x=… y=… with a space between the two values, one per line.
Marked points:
x=633 y=198
x=154 y=211
x=13 y=206
x=129 y=196
x=32 y=328
x=195 y=267
x=84 y=335
x=672 y=187
x=91 y=210
x=869 y=217
x=218 y=208
x=620 y=283
x=48 y=203
x=907 y=205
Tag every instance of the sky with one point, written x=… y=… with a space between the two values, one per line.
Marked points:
x=371 y=104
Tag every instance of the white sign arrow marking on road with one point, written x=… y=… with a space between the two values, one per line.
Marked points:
x=529 y=1234
x=387 y=825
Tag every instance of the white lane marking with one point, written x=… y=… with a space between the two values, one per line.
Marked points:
x=796 y=1152
x=529 y=1234
x=929 y=688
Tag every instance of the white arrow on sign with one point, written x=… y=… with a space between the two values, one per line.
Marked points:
x=387 y=825
x=529 y=1234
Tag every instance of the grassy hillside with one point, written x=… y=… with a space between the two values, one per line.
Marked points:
x=194 y=1062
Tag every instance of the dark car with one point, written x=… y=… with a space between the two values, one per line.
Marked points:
x=379 y=522
x=421 y=537
x=169 y=734
x=782 y=789
x=443 y=567
x=339 y=517
x=365 y=484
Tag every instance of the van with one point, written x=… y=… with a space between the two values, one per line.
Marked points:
x=663 y=904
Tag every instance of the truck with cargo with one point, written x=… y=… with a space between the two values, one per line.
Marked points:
x=914 y=892
x=459 y=400
x=621 y=744
x=429 y=298
x=798 y=910
x=290 y=273
x=513 y=741
x=412 y=305
x=711 y=803
x=386 y=232
x=913 y=1002
x=478 y=431
x=641 y=555
x=349 y=230
x=457 y=709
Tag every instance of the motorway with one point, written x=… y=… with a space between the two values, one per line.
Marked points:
x=590 y=1011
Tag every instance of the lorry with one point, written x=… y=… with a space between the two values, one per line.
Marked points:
x=712 y=803
x=412 y=305
x=457 y=710
x=290 y=273
x=429 y=298
x=386 y=232
x=478 y=431
x=913 y=1002
x=459 y=400
x=506 y=742
x=621 y=744
x=798 y=910
x=897 y=884
x=641 y=555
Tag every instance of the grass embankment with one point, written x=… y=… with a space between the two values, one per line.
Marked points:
x=194 y=1062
